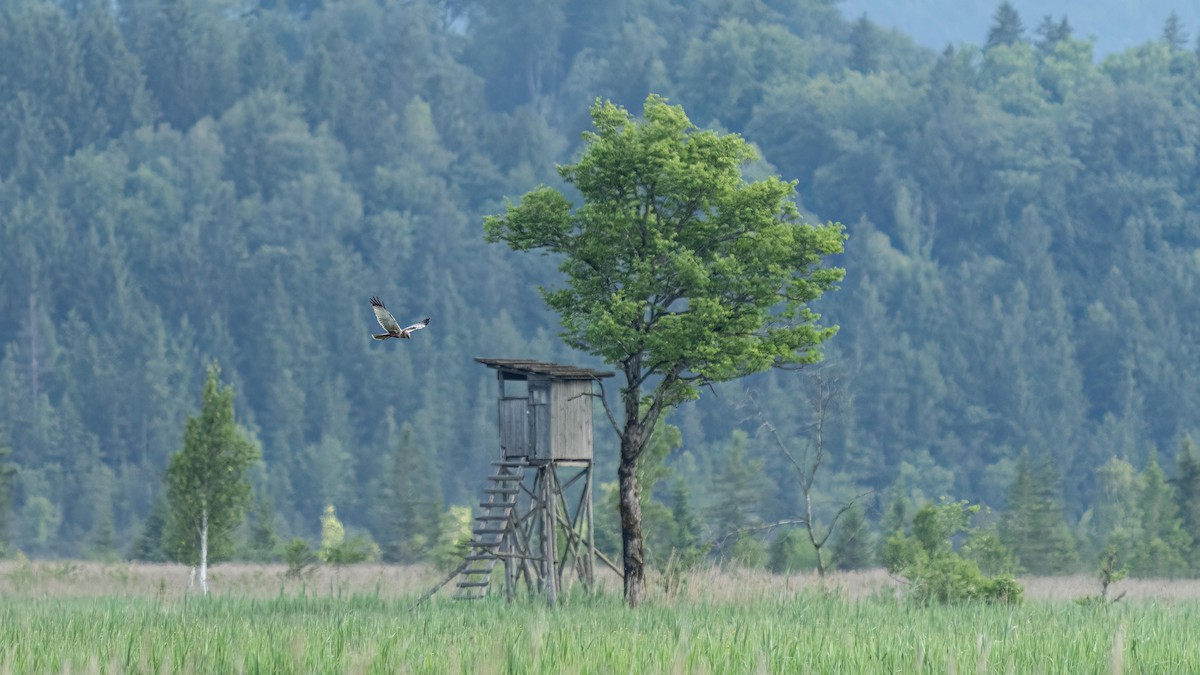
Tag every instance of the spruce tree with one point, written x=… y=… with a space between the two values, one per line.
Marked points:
x=410 y=514
x=864 y=50
x=737 y=494
x=1051 y=32
x=1164 y=544
x=6 y=502
x=1034 y=527
x=148 y=545
x=1173 y=33
x=851 y=548
x=1006 y=27
x=689 y=549
x=1187 y=492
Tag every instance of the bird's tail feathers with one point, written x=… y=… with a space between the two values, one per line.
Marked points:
x=380 y=336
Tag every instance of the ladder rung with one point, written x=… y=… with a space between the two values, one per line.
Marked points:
x=497 y=505
x=491 y=530
x=476 y=571
x=510 y=463
x=473 y=584
x=502 y=491
x=484 y=544
x=502 y=477
x=481 y=556
x=496 y=516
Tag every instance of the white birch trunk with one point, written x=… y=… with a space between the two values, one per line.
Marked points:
x=204 y=550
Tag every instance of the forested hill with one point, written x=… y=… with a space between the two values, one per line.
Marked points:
x=188 y=180
x=1113 y=25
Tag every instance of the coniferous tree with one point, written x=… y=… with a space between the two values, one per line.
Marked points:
x=1034 y=527
x=1164 y=544
x=6 y=494
x=409 y=515
x=736 y=492
x=896 y=518
x=864 y=50
x=852 y=548
x=1173 y=33
x=262 y=541
x=149 y=545
x=1051 y=32
x=1006 y=26
x=1187 y=492
x=687 y=544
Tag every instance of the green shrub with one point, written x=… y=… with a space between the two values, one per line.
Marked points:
x=936 y=572
x=299 y=558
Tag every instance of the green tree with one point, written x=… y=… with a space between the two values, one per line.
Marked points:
x=936 y=571
x=737 y=495
x=1187 y=490
x=1173 y=34
x=149 y=544
x=1050 y=33
x=7 y=471
x=679 y=272
x=1115 y=518
x=688 y=548
x=864 y=46
x=1164 y=545
x=895 y=517
x=1006 y=26
x=409 y=515
x=337 y=548
x=851 y=547
x=1034 y=526
x=207 y=490
x=262 y=540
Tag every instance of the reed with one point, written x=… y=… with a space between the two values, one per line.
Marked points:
x=354 y=624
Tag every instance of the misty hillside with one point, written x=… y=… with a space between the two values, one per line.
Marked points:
x=1113 y=25
x=183 y=181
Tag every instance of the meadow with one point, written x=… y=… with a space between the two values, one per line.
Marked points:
x=66 y=617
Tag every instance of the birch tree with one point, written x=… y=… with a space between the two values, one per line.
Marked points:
x=207 y=489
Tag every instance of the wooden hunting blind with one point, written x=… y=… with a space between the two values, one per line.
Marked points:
x=539 y=496
x=545 y=410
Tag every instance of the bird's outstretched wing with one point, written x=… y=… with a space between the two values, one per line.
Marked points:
x=384 y=316
x=417 y=326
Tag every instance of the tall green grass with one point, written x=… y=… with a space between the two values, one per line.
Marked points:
x=813 y=632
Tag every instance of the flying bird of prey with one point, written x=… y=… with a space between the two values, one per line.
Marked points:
x=389 y=323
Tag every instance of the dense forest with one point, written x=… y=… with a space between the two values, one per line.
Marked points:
x=186 y=181
x=1112 y=25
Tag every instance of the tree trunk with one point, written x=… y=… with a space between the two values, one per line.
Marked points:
x=631 y=507
x=631 y=534
x=204 y=550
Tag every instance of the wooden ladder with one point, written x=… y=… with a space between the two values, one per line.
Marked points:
x=493 y=525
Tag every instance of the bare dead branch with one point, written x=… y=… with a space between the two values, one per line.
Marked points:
x=612 y=419
x=720 y=543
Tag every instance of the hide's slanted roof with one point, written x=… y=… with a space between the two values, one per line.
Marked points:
x=525 y=367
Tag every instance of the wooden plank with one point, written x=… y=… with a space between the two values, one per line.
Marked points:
x=540 y=419
x=571 y=419
x=514 y=427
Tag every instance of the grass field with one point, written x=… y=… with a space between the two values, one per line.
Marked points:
x=77 y=617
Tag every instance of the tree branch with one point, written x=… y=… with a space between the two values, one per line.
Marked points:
x=612 y=419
